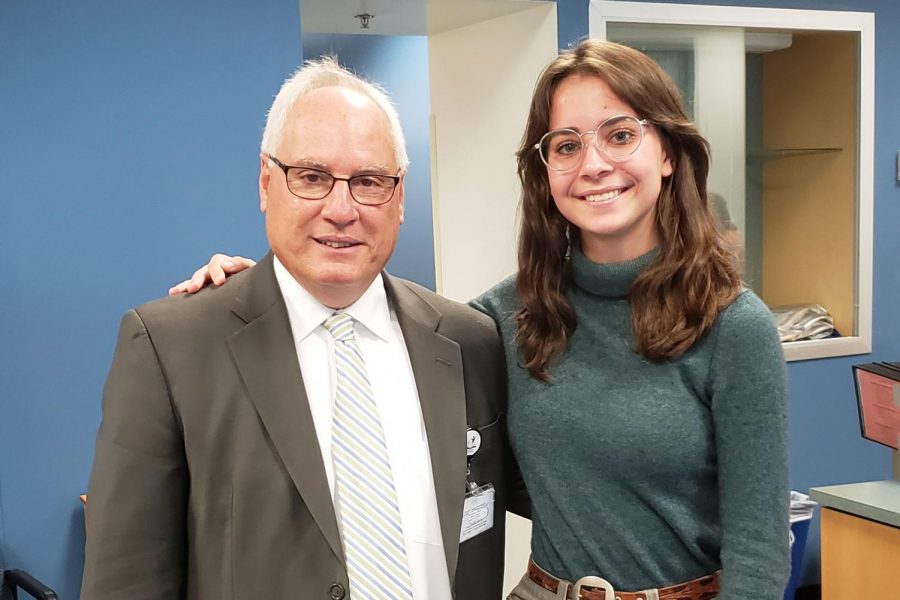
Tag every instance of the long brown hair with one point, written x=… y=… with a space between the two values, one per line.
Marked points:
x=676 y=299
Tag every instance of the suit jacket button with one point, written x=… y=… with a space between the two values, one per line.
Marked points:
x=336 y=592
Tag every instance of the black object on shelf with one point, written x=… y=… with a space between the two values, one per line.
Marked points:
x=13 y=580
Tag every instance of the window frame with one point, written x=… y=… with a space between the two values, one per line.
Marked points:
x=602 y=12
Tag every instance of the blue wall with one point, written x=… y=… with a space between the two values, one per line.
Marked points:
x=129 y=135
x=400 y=65
x=128 y=144
x=826 y=447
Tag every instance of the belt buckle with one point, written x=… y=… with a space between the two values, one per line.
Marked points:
x=595 y=582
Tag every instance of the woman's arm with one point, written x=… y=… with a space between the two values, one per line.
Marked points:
x=749 y=389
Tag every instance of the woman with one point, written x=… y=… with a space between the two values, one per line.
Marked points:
x=648 y=400
x=648 y=395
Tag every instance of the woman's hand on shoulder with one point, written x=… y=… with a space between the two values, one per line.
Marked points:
x=216 y=271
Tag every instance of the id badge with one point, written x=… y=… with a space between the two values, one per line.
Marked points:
x=478 y=512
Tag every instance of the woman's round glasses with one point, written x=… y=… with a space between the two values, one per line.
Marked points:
x=616 y=138
x=315 y=184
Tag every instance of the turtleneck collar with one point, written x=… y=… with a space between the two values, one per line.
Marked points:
x=609 y=280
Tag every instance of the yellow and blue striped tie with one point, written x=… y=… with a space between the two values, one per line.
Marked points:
x=364 y=485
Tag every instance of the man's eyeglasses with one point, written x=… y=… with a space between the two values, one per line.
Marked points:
x=314 y=184
x=617 y=138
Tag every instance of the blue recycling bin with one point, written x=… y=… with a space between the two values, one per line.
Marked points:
x=799 y=533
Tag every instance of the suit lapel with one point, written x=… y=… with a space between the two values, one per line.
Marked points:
x=266 y=358
x=437 y=366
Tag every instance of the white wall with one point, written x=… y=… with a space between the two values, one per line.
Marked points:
x=719 y=111
x=482 y=77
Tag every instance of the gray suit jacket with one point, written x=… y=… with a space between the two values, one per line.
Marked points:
x=208 y=481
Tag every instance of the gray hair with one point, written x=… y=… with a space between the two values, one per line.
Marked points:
x=326 y=72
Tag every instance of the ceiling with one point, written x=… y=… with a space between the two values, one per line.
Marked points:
x=404 y=17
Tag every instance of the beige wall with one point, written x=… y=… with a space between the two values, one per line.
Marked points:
x=809 y=200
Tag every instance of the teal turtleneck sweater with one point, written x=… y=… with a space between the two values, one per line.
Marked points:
x=649 y=474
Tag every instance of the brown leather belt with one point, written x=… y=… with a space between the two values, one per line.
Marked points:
x=702 y=588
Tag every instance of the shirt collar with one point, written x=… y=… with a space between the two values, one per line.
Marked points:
x=306 y=313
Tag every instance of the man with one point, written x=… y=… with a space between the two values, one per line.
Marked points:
x=222 y=467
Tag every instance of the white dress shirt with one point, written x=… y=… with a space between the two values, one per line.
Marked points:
x=381 y=342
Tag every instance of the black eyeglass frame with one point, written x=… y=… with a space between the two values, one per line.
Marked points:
x=395 y=178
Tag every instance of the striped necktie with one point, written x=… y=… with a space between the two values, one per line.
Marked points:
x=364 y=485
